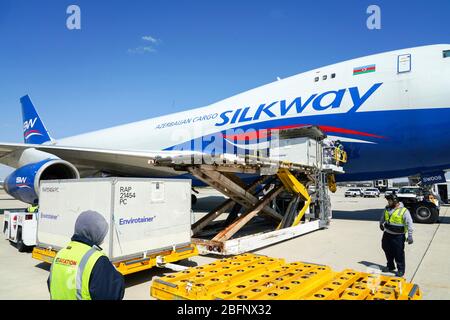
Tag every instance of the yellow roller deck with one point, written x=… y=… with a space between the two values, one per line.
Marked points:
x=257 y=277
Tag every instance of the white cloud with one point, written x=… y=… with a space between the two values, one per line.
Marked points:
x=150 y=39
x=142 y=50
x=146 y=48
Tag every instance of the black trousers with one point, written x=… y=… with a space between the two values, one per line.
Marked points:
x=394 y=248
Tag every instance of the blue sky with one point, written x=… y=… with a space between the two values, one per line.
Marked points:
x=197 y=52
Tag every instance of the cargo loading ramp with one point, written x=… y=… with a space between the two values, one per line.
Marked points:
x=254 y=219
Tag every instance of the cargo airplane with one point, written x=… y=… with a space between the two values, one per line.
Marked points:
x=391 y=111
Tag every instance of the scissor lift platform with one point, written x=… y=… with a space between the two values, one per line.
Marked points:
x=257 y=277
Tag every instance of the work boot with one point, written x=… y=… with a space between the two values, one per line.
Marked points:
x=387 y=269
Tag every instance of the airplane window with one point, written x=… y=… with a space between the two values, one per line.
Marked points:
x=316 y=79
x=324 y=77
x=333 y=75
x=446 y=53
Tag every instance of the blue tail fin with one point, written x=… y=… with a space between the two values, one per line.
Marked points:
x=34 y=130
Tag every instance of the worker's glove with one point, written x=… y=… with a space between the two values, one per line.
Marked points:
x=410 y=240
x=381 y=227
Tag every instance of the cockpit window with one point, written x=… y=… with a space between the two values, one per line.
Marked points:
x=446 y=53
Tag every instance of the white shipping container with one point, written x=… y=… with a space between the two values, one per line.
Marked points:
x=144 y=215
x=297 y=150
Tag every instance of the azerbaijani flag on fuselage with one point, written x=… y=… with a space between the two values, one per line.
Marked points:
x=364 y=69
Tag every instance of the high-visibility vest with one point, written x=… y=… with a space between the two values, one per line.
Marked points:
x=32 y=209
x=71 y=270
x=394 y=221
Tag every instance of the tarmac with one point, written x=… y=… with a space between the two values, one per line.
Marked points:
x=353 y=240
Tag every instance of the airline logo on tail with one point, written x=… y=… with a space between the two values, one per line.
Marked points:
x=28 y=129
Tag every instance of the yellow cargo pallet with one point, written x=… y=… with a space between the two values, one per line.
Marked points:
x=132 y=265
x=256 y=277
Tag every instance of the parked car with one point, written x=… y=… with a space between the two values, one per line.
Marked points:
x=390 y=191
x=353 y=192
x=371 y=192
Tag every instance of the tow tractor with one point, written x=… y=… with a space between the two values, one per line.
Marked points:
x=19 y=227
x=424 y=208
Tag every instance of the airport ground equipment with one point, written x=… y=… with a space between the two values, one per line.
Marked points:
x=256 y=277
x=420 y=203
x=383 y=185
x=163 y=258
x=147 y=226
x=255 y=216
x=443 y=190
x=19 y=227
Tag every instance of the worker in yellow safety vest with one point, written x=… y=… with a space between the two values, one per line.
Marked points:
x=33 y=208
x=395 y=221
x=339 y=148
x=81 y=271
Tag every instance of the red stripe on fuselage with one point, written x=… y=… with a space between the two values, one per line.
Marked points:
x=264 y=133
x=348 y=131
x=333 y=129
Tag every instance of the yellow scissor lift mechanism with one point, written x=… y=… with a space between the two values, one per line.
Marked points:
x=291 y=183
x=256 y=277
x=247 y=197
x=132 y=265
